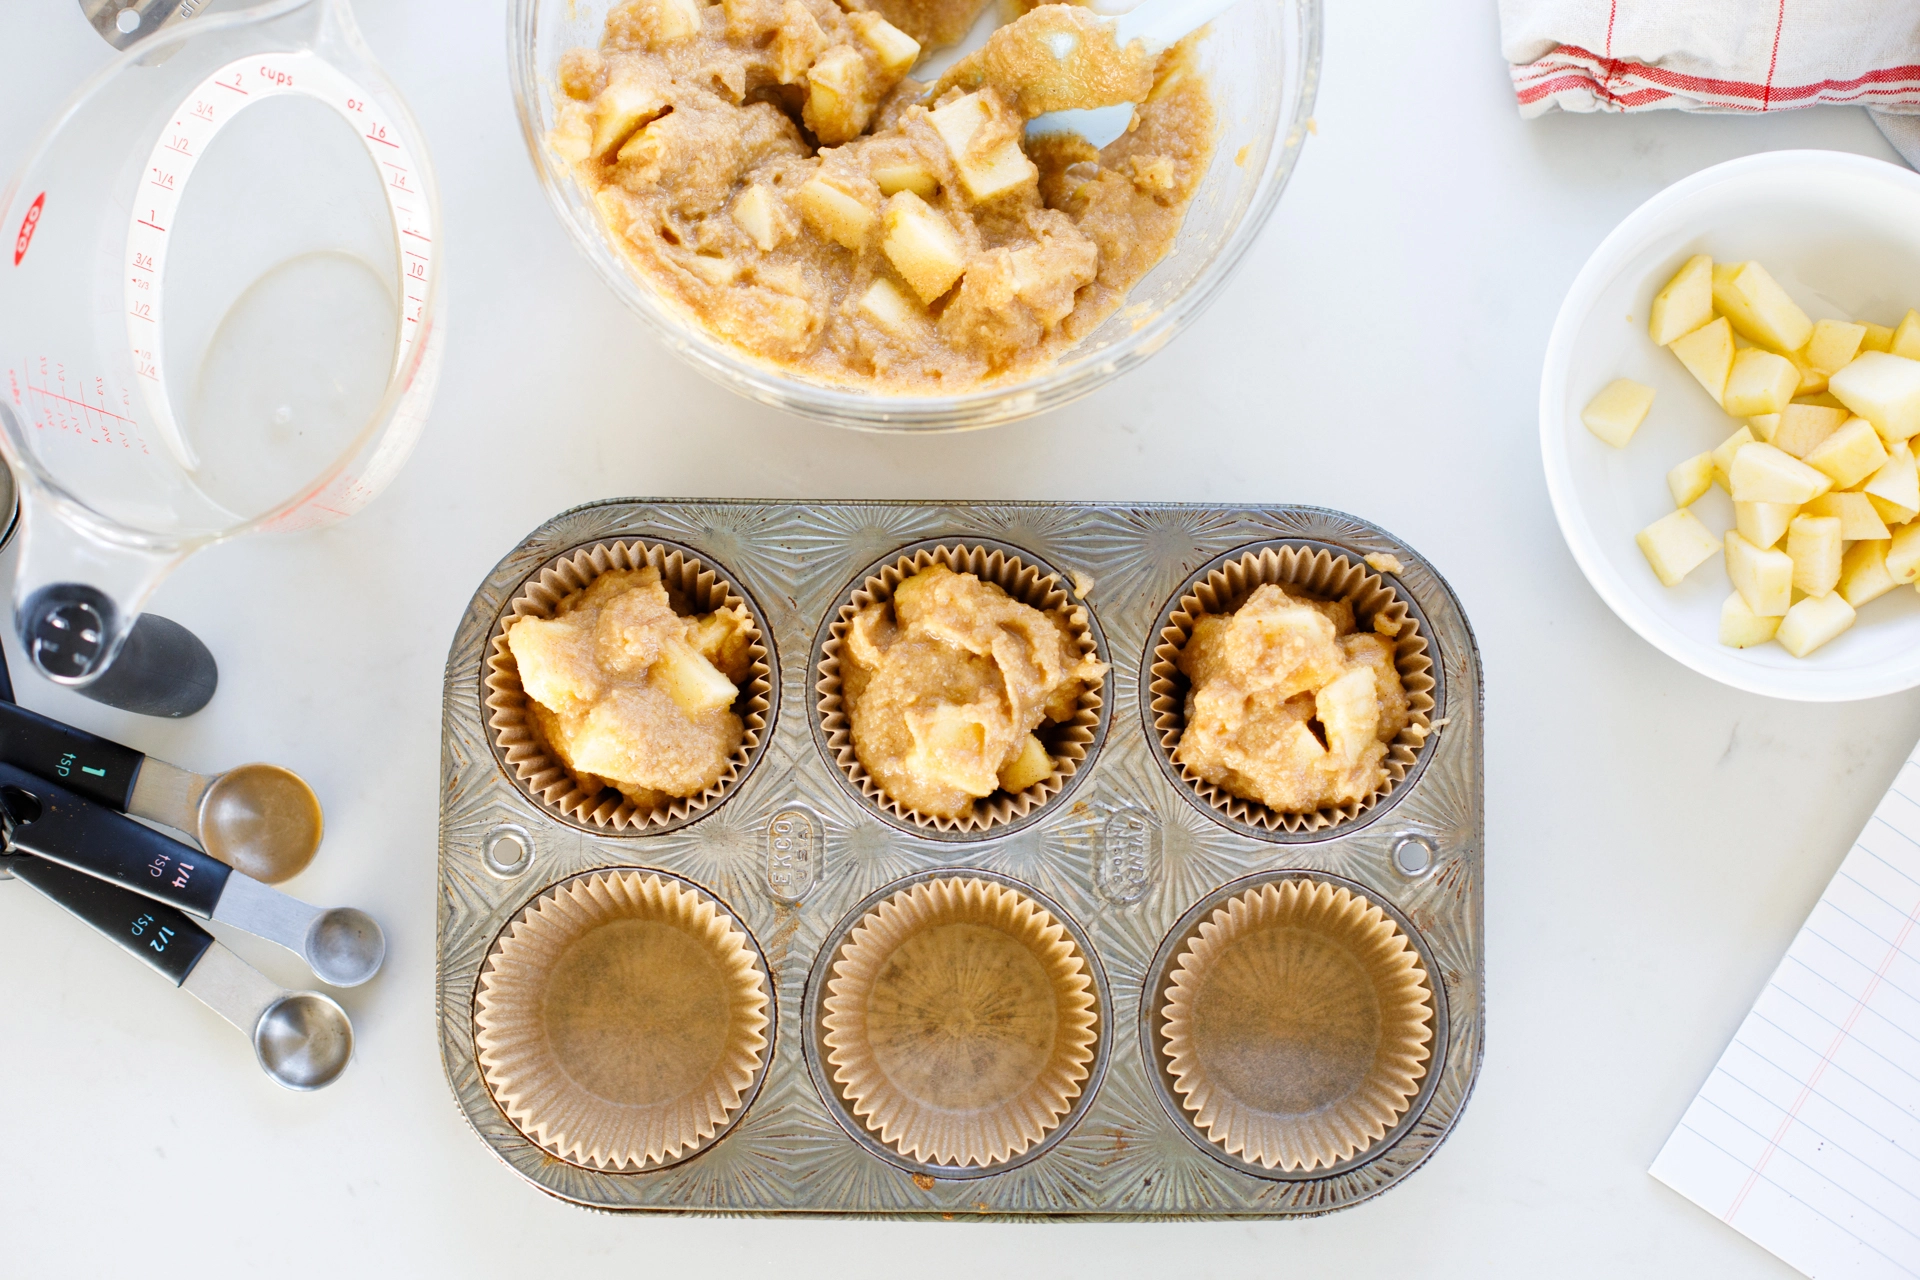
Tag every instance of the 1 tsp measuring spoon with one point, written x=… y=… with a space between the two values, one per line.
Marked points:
x=258 y=818
x=343 y=946
x=302 y=1039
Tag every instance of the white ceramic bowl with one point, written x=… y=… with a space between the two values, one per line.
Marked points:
x=1842 y=234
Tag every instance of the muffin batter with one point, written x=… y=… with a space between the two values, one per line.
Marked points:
x=631 y=695
x=768 y=166
x=1288 y=705
x=945 y=685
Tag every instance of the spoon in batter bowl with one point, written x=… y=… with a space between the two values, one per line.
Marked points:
x=1072 y=71
x=258 y=818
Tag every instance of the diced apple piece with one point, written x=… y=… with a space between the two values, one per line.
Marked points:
x=797 y=41
x=1759 y=382
x=838 y=105
x=1691 y=479
x=1762 y=473
x=1759 y=308
x=1812 y=381
x=1763 y=523
x=1617 y=412
x=1858 y=520
x=992 y=170
x=622 y=107
x=1897 y=483
x=1863 y=573
x=1803 y=426
x=1903 y=554
x=1723 y=455
x=1849 y=455
x=922 y=246
x=1708 y=354
x=889 y=308
x=754 y=213
x=1764 y=426
x=1741 y=627
x=1685 y=302
x=1906 y=337
x=1879 y=337
x=572 y=134
x=1892 y=512
x=1813 y=544
x=1033 y=765
x=895 y=178
x=1820 y=399
x=1884 y=389
x=834 y=213
x=894 y=49
x=1675 y=545
x=1763 y=576
x=694 y=684
x=1813 y=622
x=1834 y=344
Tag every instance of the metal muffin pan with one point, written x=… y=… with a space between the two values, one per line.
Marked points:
x=1127 y=853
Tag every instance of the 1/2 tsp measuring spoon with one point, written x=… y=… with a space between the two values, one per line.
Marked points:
x=302 y=1039
x=342 y=945
x=258 y=818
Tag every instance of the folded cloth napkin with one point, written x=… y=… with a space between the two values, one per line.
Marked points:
x=1715 y=55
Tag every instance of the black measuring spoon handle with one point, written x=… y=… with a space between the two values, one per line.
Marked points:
x=101 y=770
x=162 y=938
x=53 y=823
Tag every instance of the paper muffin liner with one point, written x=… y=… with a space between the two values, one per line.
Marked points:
x=960 y=1022
x=524 y=752
x=1317 y=572
x=1030 y=585
x=621 y=1020
x=1297 y=1025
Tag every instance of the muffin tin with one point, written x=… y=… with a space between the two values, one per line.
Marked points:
x=1126 y=855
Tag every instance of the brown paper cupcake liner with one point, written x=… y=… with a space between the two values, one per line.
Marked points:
x=525 y=753
x=1297 y=1025
x=1026 y=583
x=960 y=1022
x=1316 y=572
x=621 y=1020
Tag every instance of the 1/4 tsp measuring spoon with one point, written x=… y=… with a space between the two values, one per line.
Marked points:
x=343 y=946
x=258 y=818
x=302 y=1039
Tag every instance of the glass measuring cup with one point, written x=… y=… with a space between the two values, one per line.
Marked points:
x=219 y=296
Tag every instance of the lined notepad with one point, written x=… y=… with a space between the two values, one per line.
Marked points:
x=1806 y=1137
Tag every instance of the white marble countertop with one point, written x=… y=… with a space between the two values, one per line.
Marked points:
x=1653 y=840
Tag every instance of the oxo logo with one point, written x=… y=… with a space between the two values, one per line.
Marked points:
x=27 y=225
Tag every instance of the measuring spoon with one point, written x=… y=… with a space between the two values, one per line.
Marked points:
x=343 y=946
x=258 y=818
x=302 y=1039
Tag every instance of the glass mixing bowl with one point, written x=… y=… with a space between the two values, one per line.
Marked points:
x=1262 y=59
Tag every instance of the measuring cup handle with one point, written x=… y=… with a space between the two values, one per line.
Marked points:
x=164 y=939
x=161 y=668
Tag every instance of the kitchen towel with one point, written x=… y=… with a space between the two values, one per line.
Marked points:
x=1713 y=55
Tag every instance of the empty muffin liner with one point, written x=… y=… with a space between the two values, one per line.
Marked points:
x=622 y=1020
x=525 y=753
x=960 y=1022
x=1314 y=571
x=1072 y=742
x=1297 y=1025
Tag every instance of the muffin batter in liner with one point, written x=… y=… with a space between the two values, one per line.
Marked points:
x=1297 y=1025
x=960 y=1022
x=1317 y=572
x=621 y=1020
x=1070 y=742
x=525 y=754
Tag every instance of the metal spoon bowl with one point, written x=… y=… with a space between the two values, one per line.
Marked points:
x=345 y=947
x=261 y=819
x=303 y=1041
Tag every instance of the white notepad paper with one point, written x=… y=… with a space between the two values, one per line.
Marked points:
x=1806 y=1137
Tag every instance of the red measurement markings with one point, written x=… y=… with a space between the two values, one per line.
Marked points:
x=143 y=262
x=178 y=145
x=202 y=109
x=78 y=404
x=142 y=311
x=378 y=133
x=148 y=220
x=416 y=235
x=161 y=179
x=235 y=86
x=416 y=271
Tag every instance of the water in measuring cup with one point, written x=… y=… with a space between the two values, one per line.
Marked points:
x=282 y=308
